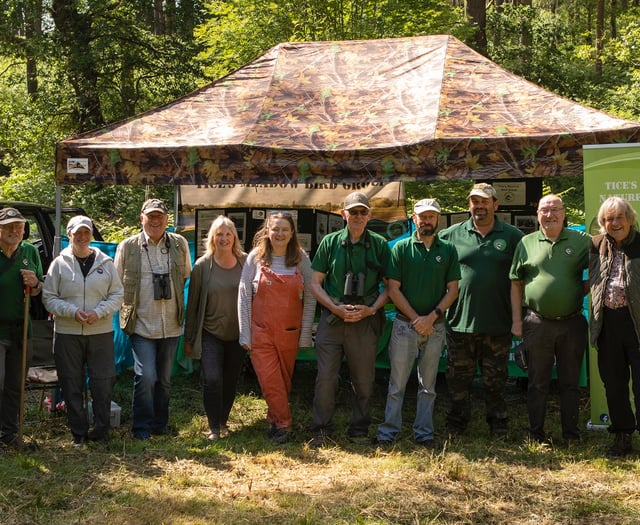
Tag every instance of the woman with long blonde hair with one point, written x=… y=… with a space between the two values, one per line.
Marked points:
x=211 y=328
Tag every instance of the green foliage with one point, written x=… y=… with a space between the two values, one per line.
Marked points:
x=239 y=30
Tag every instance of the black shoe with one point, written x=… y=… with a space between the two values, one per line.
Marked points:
x=272 y=430
x=280 y=436
x=360 y=439
x=542 y=439
x=621 y=446
x=383 y=443
x=320 y=439
x=499 y=428
x=429 y=444
x=77 y=441
x=98 y=436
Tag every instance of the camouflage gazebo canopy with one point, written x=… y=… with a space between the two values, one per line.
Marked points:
x=356 y=112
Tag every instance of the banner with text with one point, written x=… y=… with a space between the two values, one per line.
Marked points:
x=609 y=169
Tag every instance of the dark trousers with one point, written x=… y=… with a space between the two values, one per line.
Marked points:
x=564 y=342
x=10 y=376
x=221 y=365
x=76 y=357
x=464 y=353
x=619 y=360
x=359 y=343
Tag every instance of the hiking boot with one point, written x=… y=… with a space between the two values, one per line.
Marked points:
x=621 y=446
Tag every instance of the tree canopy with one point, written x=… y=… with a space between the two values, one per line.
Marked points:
x=69 y=66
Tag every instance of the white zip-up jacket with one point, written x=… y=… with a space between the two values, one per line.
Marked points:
x=66 y=290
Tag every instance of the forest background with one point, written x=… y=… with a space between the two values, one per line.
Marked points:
x=68 y=66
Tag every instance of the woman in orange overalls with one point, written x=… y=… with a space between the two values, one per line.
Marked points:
x=275 y=313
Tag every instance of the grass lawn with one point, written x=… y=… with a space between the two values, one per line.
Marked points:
x=184 y=479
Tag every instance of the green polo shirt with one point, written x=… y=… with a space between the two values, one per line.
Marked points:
x=484 y=293
x=12 y=286
x=552 y=272
x=336 y=256
x=423 y=274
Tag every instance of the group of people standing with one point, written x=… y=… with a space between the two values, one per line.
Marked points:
x=472 y=286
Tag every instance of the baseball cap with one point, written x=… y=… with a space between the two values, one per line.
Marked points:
x=426 y=205
x=77 y=222
x=356 y=199
x=151 y=205
x=8 y=215
x=487 y=191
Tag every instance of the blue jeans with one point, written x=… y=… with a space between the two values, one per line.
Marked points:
x=153 y=363
x=404 y=347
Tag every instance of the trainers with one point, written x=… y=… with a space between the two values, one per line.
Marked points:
x=224 y=431
x=280 y=436
x=213 y=436
x=77 y=441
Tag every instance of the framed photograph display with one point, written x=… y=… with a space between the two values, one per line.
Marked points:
x=204 y=218
x=240 y=220
x=526 y=223
x=336 y=222
x=504 y=216
x=321 y=226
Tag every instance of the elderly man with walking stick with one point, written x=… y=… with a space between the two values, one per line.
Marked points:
x=20 y=276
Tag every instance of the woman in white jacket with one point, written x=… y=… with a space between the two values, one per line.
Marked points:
x=83 y=290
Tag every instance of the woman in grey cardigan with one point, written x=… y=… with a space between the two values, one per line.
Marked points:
x=211 y=326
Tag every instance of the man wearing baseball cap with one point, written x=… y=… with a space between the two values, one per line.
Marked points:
x=423 y=282
x=479 y=322
x=154 y=266
x=20 y=267
x=348 y=269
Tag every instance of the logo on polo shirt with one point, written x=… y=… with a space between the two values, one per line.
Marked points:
x=568 y=250
x=500 y=245
x=438 y=258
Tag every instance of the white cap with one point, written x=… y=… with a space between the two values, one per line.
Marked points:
x=77 y=222
x=426 y=205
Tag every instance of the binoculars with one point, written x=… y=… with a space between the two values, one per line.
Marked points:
x=354 y=285
x=161 y=286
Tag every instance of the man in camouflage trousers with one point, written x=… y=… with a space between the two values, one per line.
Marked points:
x=479 y=322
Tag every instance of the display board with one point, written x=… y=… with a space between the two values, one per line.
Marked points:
x=609 y=170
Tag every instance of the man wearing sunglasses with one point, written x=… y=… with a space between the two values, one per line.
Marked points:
x=347 y=281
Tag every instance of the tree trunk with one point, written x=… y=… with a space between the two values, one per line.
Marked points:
x=75 y=32
x=599 y=36
x=33 y=32
x=477 y=14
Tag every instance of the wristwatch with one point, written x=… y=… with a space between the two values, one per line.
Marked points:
x=438 y=312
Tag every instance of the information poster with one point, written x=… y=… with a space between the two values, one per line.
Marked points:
x=612 y=169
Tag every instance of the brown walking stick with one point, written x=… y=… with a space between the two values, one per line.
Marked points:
x=25 y=329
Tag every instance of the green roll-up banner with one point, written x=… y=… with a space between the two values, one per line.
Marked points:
x=610 y=169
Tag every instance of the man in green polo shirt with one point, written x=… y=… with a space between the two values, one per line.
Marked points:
x=479 y=322
x=547 y=280
x=348 y=271
x=423 y=282
x=20 y=267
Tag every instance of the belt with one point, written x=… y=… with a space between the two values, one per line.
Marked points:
x=559 y=318
x=402 y=317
